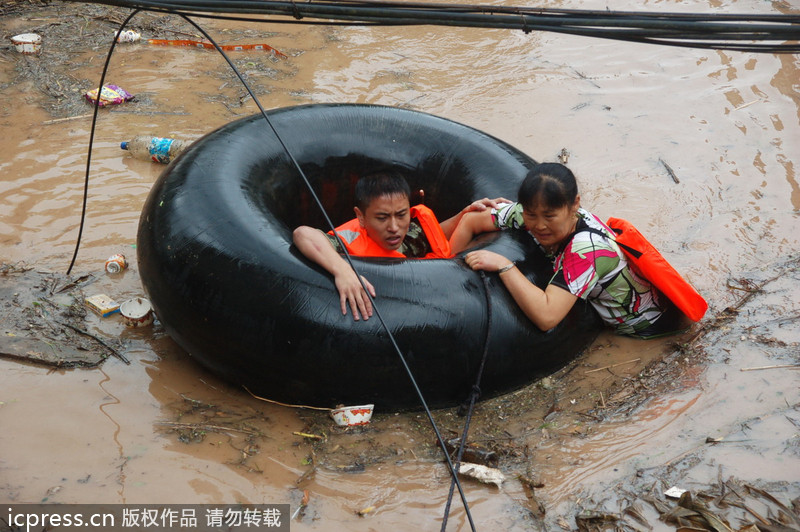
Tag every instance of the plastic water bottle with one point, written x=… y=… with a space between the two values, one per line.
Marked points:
x=156 y=149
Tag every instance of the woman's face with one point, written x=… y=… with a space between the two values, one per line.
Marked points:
x=551 y=226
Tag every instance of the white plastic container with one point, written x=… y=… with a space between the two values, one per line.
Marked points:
x=350 y=416
x=27 y=43
x=136 y=312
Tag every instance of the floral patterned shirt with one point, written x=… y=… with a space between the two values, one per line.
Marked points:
x=593 y=268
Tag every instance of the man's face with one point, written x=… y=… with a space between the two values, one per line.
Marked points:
x=386 y=220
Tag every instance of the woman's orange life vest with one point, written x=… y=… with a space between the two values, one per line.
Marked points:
x=646 y=260
x=358 y=243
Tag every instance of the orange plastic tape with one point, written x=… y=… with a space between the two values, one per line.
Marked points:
x=226 y=47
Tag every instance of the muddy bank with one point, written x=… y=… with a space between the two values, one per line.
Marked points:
x=43 y=320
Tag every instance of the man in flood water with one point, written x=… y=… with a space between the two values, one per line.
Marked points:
x=386 y=225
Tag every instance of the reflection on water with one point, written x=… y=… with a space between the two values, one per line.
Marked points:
x=628 y=447
x=727 y=123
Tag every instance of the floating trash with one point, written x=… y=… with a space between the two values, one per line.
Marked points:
x=487 y=475
x=352 y=415
x=102 y=305
x=127 y=36
x=116 y=263
x=136 y=312
x=27 y=43
x=156 y=149
x=110 y=95
x=210 y=46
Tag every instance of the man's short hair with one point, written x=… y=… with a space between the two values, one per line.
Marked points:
x=377 y=184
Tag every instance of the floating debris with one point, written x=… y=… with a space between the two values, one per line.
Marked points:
x=473 y=453
x=127 y=36
x=109 y=95
x=670 y=171
x=102 y=305
x=674 y=492
x=225 y=47
x=487 y=475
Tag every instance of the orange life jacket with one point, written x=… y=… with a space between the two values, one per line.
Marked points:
x=359 y=244
x=646 y=260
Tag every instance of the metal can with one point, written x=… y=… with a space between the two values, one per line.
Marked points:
x=116 y=263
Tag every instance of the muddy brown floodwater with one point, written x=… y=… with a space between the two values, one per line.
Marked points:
x=594 y=447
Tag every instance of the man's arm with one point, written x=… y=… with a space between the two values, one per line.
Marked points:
x=315 y=246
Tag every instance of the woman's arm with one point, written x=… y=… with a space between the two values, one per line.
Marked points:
x=315 y=246
x=471 y=224
x=545 y=308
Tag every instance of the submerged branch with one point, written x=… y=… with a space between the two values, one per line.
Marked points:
x=207 y=428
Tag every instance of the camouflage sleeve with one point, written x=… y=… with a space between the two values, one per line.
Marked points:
x=337 y=245
x=415 y=244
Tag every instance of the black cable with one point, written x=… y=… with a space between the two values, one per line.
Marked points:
x=649 y=36
x=474 y=394
x=302 y=174
x=625 y=35
x=91 y=142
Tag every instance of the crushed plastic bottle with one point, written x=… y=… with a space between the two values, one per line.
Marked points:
x=128 y=36
x=156 y=149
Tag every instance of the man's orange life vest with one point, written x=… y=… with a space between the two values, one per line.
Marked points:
x=355 y=239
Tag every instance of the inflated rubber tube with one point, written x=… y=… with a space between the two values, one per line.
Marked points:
x=216 y=259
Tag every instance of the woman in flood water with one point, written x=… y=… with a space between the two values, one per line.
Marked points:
x=587 y=262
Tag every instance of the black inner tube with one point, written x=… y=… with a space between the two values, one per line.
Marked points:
x=216 y=259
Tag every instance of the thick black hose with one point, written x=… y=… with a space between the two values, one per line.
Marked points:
x=770 y=31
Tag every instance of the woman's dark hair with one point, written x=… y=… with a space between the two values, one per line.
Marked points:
x=377 y=184
x=551 y=185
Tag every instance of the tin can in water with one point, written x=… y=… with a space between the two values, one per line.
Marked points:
x=116 y=263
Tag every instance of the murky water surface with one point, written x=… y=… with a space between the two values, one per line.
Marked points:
x=727 y=123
